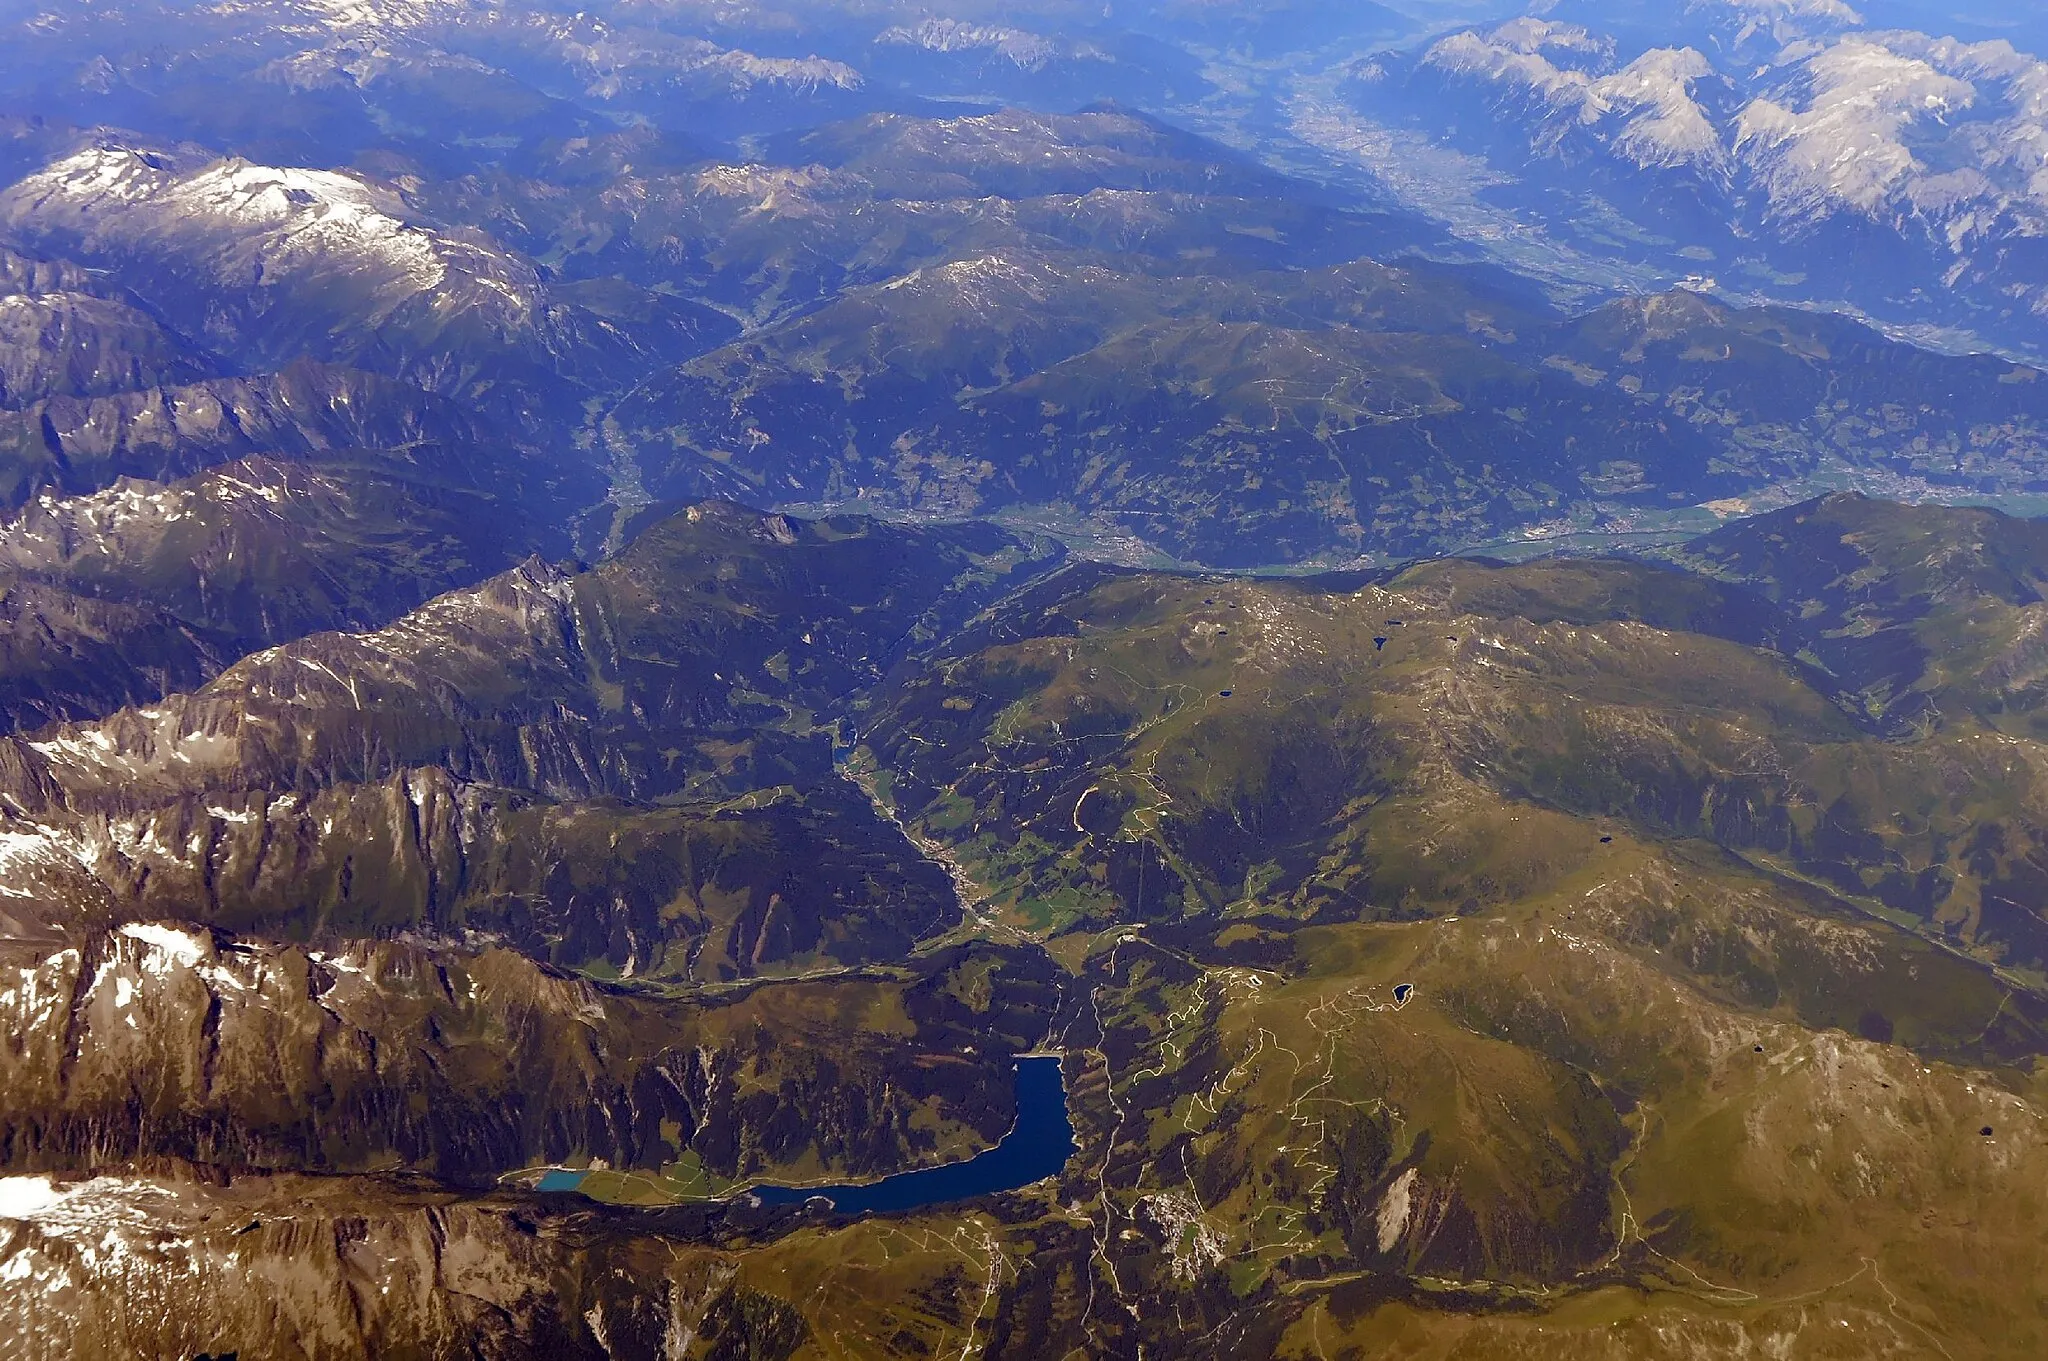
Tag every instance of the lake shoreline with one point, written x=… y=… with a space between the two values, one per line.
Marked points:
x=1036 y=1146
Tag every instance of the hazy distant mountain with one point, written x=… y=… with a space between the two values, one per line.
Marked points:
x=1793 y=148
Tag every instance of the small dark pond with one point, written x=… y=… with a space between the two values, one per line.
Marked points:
x=1036 y=1147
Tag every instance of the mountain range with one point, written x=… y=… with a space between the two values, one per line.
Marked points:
x=610 y=613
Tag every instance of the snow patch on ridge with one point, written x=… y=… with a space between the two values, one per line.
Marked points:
x=1648 y=105
x=171 y=946
x=28 y=1197
x=22 y=854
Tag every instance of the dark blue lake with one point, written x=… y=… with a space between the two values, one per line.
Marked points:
x=1036 y=1147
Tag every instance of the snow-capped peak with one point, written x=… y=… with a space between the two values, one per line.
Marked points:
x=364 y=16
x=120 y=191
x=1648 y=105
x=275 y=230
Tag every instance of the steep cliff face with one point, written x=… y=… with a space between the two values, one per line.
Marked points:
x=65 y=333
x=27 y=275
